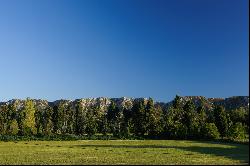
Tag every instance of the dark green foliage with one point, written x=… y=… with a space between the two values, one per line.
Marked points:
x=2 y=123
x=211 y=131
x=115 y=119
x=61 y=118
x=111 y=116
x=47 y=124
x=183 y=120
x=237 y=131
x=77 y=124
x=10 y=117
x=80 y=119
x=105 y=126
x=191 y=120
x=154 y=125
x=126 y=125
x=39 y=121
x=20 y=119
x=91 y=122
x=139 y=118
x=240 y=115
x=3 y=119
x=177 y=102
x=221 y=120
x=173 y=126
x=55 y=119
x=202 y=119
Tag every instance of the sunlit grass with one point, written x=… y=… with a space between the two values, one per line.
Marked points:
x=122 y=152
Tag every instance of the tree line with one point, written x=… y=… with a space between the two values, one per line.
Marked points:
x=144 y=119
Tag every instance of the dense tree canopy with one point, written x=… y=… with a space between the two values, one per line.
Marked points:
x=144 y=118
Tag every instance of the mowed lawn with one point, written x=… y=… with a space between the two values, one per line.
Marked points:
x=122 y=152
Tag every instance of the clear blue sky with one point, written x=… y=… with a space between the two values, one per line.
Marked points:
x=53 y=49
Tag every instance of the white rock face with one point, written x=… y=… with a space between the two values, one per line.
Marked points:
x=102 y=103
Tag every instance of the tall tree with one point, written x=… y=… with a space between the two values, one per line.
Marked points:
x=221 y=120
x=77 y=125
x=91 y=122
x=177 y=102
x=202 y=120
x=153 y=118
x=104 y=124
x=47 y=121
x=2 y=119
x=114 y=117
x=29 y=120
x=126 y=126
x=173 y=127
x=139 y=120
x=190 y=119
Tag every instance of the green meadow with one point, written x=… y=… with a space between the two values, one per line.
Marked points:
x=146 y=152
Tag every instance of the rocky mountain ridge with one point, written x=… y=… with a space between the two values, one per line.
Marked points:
x=102 y=103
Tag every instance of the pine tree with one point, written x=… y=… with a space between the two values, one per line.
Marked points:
x=153 y=118
x=114 y=117
x=177 y=102
x=221 y=120
x=139 y=120
x=190 y=120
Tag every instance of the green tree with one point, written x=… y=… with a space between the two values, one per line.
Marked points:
x=105 y=126
x=29 y=123
x=239 y=115
x=55 y=119
x=211 y=131
x=202 y=120
x=173 y=127
x=13 y=129
x=221 y=120
x=91 y=122
x=177 y=102
x=3 y=119
x=39 y=120
x=247 y=120
x=191 y=120
x=62 y=118
x=20 y=122
x=111 y=116
x=81 y=119
x=11 y=113
x=77 y=124
x=126 y=126
x=115 y=117
x=47 y=121
x=237 y=131
x=69 y=119
x=138 y=118
x=153 y=118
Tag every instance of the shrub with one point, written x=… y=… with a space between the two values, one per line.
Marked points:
x=237 y=131
x=211 y=131
x=13 y=130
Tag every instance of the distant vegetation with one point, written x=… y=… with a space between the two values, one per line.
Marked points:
x=143 y=120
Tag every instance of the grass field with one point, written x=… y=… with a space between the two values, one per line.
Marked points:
x=122 y=152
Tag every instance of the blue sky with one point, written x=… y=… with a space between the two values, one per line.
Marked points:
x=53 y=49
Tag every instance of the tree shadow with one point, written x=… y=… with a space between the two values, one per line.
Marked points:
x=236 y=152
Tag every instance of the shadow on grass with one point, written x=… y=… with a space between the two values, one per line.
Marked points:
x=236 y=152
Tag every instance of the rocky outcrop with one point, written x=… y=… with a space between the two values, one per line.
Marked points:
x=102 y=103
x=209 y=103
